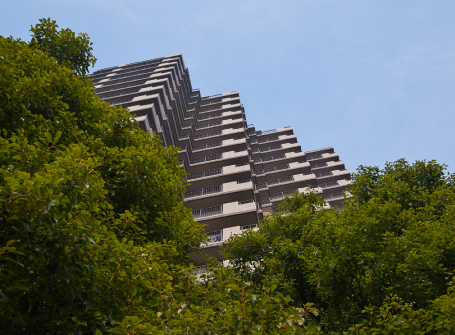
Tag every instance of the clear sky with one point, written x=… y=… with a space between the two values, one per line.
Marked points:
x=374 y=79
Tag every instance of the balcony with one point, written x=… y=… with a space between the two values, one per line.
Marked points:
x=328 y=188
x=215 y=133
x=326 y=185
x=316 y=159
x=216 y=101
x=274 y=147
x=285 y=130
x=333 y=196
x=281 y=139
x=205 y=212
x=271 y=169
x=219 y=160
x=209 y=125
x=223 y=105
x=220 y=147
x=324 y=174
x=273 y=182
x=260 y=132
x=240 y=190
x=332 y=175
x=283 y=148
x=222 y=216
x=203 y=191
x=328 y=150
x=284 y=184
x=225 y=174
x=224 y=133
x=327 y=166
x=208 y=146
x=206 y=159
x=336 y=199
x=201 y=118
x=282 y=170
x=203 y=174
x=275 y=197
x=265 y=140
x=216 y=238
x=267 y=159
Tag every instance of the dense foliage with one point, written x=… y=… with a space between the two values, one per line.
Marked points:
x=382 y=264
x=93 y=233
x=64 y=46
x=94 y=237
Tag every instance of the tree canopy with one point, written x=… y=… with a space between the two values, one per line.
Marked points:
x=384 y=263
x=94 y=235
x=64 y=46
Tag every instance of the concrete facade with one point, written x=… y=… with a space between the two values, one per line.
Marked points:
x=237 y=174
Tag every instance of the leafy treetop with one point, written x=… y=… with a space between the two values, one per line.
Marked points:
x=68 y=49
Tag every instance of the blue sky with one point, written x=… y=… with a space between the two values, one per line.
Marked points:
x=374 y=79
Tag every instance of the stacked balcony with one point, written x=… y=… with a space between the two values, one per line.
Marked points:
x=236 y=174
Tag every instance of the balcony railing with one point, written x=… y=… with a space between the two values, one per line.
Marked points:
x=215 y=133
x=265 y=201
x=274 y=182
x=205 y=173
x=120 y=101
x=210 y=109
x=268 y=139
x=210 y=96
x=310 y=158
x=119 y=87
x=273 y=168
x=206 y=159
x=209 y=125
x=333 y=183
x=280 y=195
x=209 y=145
x=250 y=226
x=333 y=196
x=200 y=118
x=210 y=211
x=259 y=132
x=245 y=202
x=119 y=94
x=267 y=159
x=212 y=102
x=260 y=186
x=280 y=180
x=203 y=191
x=324 y=174
x=318 y=165
x=275 y=196
x=273 y=147
x=214 y=236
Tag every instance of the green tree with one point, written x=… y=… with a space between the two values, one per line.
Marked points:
x=85 y=194
x=394 y=237
x=94 y=237
x=68 y=49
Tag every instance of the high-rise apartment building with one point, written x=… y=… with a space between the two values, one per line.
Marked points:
x=238 y=174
